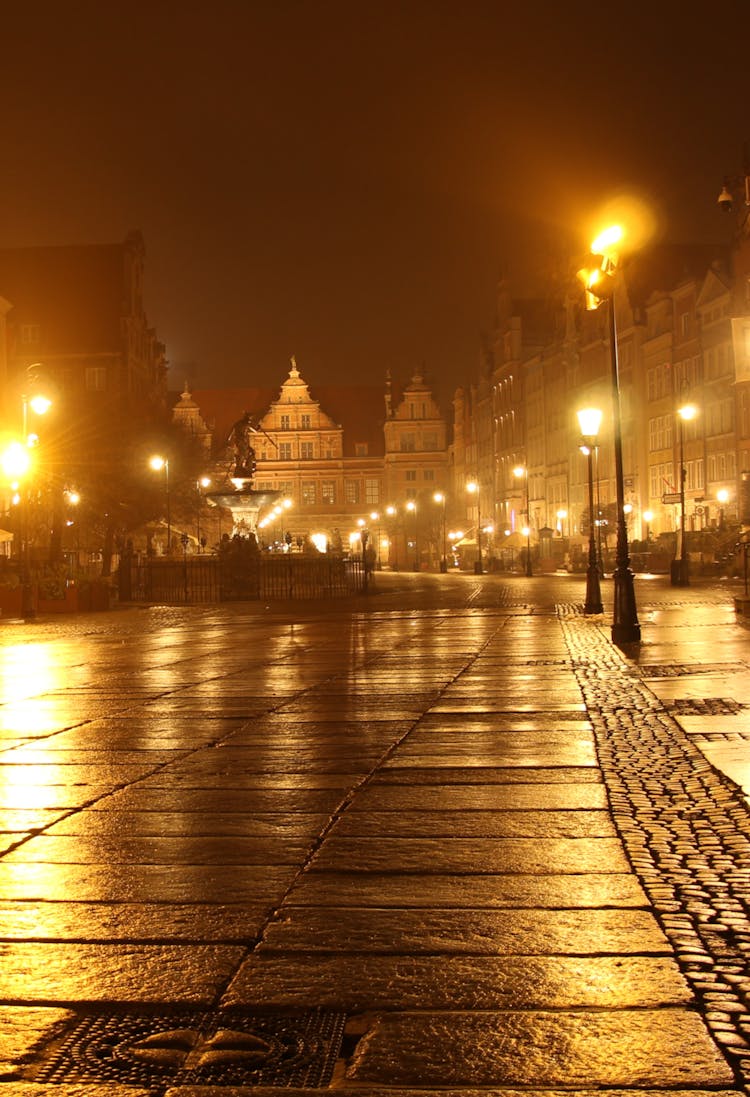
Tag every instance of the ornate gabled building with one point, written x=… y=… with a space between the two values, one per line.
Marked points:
x=343 y=455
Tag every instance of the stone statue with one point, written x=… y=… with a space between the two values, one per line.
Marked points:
x=244 y=453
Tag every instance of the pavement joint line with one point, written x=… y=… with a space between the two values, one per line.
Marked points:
x=685 y=830
x=347 y=801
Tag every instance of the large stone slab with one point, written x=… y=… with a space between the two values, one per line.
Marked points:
x=361 y=982
x=111 y=921
x=424 y=890
x=508 y=771
x=574 y=753
x=480 y=824
x=434 y=796
x=145 y=883
x=245 y=801
x=151 y=850
x=485 y=931
x=470 y=855
x=52 y=972
x=192 y=823
x=571 y=1049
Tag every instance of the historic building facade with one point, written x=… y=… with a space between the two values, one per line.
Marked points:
x=346 y=458
x=683 y=326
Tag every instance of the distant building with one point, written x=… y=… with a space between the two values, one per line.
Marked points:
x=348 y=457
x=73 y=318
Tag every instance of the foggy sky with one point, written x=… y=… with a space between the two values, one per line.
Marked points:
x=346 y=182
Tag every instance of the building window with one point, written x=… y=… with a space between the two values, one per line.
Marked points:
x=305 y=422
x=328 y=491
x=408 y=443
x=308 y=492
x=372 y=491
x=694 y=475
x=306 y=451
x=285 y=451
x=360 y=449
x=661 y=480
x=285 y=424
x=660 y=432
x=30 y=334
x=430 y=441
x=351 y=491
x=96 y=378
x=429 y=474
x=411 y=474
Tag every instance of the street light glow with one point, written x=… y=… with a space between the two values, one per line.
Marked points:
x=604 y=244
x=589 y=420
x=15 y=461
x=40 y=404
x=687 y=412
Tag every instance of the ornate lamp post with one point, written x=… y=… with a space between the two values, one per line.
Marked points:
x=393 y=536
x=589 y=420
x=412 y=507
x=521 y=472
x=439 y=497
x=599 y=282
x=202 y=482
x=375 y=517
x=681 y=570
x=157 y=463
x=473 y=488
x=722 y=497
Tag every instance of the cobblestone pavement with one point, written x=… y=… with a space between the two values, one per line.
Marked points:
x=445 y=840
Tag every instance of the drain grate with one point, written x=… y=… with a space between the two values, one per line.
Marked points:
x=703 y=706
x=197 y=1047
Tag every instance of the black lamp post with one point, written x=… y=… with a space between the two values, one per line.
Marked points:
x=600 y=287
x=522 y=471
x=412 y=506
x=157 y=463
x=589 y=420
x=681 y=571
x=439 y=497
x=473 y=488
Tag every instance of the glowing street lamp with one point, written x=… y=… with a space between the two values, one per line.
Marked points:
x=599 y=285
x=722 y=497
x=202 y=482
x=648 y=517
x=589 y=420
x=439 y=497
x=522 y=473
x=375 y=517
x=157 y=463
x=412 y=507
x=473 y=488
x=681 y=569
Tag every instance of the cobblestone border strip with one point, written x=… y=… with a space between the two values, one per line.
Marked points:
x=686 y=831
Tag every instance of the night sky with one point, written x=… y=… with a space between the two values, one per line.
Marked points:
x=346 y=182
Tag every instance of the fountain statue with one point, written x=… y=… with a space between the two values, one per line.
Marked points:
x=244 y=502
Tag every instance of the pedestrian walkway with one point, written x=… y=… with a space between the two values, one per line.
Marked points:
x=452 y=842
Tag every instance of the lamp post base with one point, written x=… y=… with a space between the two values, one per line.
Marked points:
x=679 y=575
x=625 y=626
x=593 y=604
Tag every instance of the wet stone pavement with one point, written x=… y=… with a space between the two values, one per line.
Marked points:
x=445 y=840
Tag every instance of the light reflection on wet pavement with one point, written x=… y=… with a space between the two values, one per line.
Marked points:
x=396 y=808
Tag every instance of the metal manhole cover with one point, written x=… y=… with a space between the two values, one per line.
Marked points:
x=703 y=706
x=197 y=1047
